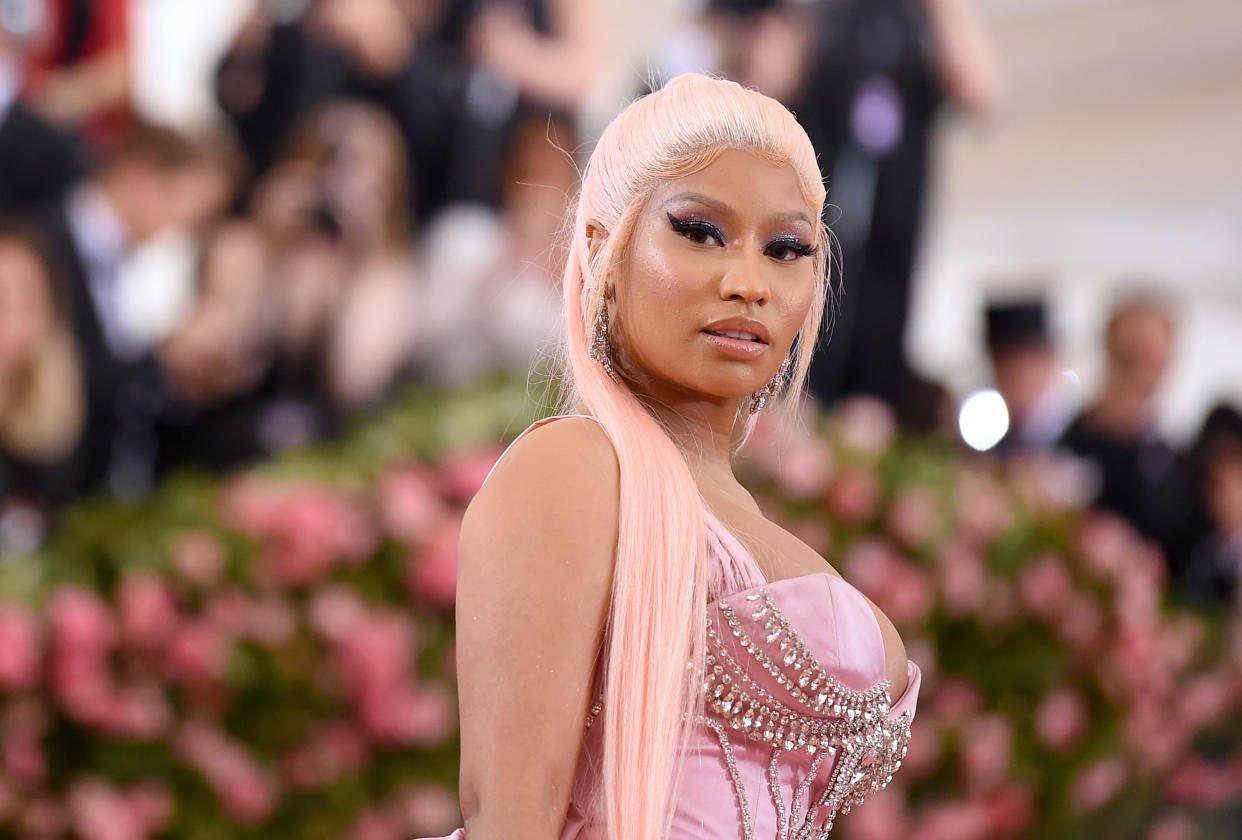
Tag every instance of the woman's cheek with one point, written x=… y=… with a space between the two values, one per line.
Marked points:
x=657 y=272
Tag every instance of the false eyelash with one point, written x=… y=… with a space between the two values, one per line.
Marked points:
x=799 y=248
x=689 y=225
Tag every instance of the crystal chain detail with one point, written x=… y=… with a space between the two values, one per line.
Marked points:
x=821 y=716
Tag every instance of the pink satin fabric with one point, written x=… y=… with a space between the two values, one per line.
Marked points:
x=837 y=625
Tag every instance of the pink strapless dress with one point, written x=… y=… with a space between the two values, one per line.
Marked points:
x=798 y=724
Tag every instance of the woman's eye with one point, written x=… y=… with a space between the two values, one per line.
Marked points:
x=700 y=233
x=788 y=250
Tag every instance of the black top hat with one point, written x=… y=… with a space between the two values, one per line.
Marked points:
x=1222 y=427
x=1016 y=324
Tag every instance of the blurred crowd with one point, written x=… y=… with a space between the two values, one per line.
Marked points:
x=381 y=202
x=1188 y=499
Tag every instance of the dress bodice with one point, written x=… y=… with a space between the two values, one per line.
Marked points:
x=797 y=723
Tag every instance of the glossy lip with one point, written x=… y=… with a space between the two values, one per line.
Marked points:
x=736 y=347
x=748 y=325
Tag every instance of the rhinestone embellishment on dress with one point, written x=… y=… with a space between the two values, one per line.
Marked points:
x=818 y=715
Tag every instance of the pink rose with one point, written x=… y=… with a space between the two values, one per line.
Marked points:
x=23 y=758
x=81 y=622
x=140 y=712
x=806 y=468
x=227 y=610
x=44 y=816
x=152 y=804
x=1180 y=640
x=1154 y=737
x=1205 y=700
x=1010 y=810
x=882 y=817
x=373 y=825
x=20 y=647
x=377 y=652
x=426 y=809
x=332 y=751
x=464 y=472
x=246 y=792
x=305 y=529
x=1175 y=826
x=913 y=518
x=101 y=812
x=765 y=448
x=1097 y=783
x=271 y=621
x=854 y=495
x=84 y=688
x=1137 y=602
x=1061 y=719
x=334 y=610
x=951 y=821
x=923 y=751
x=983 y=508
x=963 y=580
x=956 y=700
x=199 y=558
x=899 y=588
x=147 y=610
x=986 y=749
x=1106 y=542
x=406 y=715
x=814 y=532
x=431 y=571
x=1045 y=586
x=865 y=424
x=1081 y=623
x=197 y=653
x=409 y=503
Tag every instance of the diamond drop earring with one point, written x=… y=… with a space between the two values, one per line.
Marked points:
x=768 y=392
x=600 y=349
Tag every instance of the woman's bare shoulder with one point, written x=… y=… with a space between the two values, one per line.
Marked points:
x=557 y=485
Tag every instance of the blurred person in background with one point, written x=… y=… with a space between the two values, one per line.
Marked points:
x=1212 y=571
x=42 y=401
x=38 y=161
x=878 y=73
x=78 y=66
x=1027 y=372
x=489 y=295
x=331 y=255
x=552 y=52
x=215 y=357
x=150 y=182
x=1142 y=478
x=292 y=57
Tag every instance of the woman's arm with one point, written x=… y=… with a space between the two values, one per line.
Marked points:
x=970 y=67
x=534 y=581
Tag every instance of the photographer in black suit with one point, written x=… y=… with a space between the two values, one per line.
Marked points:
x=145 y=184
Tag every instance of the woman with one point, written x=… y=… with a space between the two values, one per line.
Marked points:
x=641 y=653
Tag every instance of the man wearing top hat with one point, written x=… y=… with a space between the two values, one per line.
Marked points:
x=1026 y=370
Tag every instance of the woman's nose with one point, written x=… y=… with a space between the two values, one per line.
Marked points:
x=744 y=280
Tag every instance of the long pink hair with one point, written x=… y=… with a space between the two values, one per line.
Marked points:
x=655 y=636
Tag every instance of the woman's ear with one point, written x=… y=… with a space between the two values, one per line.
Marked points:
x=596 y=235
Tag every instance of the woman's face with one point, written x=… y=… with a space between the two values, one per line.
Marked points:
x=719 y=278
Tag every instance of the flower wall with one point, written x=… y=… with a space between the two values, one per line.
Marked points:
x=271 y=655
x=1065 y=693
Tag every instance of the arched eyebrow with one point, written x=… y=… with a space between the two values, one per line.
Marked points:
x=724 y=209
